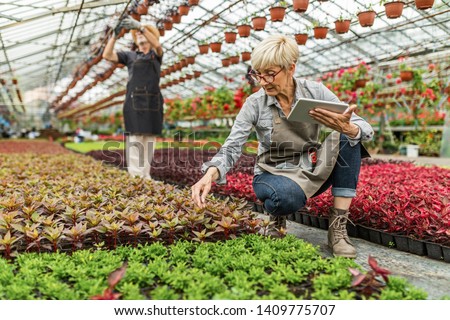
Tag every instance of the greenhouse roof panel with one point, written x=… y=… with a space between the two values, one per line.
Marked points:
x=44 y=42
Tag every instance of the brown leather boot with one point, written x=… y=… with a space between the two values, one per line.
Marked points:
x=338 y=239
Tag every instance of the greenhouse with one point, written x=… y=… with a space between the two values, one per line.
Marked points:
x=162 y=150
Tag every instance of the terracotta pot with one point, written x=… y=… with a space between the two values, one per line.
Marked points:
x=184 y=62
x=244 y=30
x=215 y=46
x=172 y=69
x=142 y=9
x=230 y=37
x=178 y=66
x=301 y=38
x=203 y=48
x=162 y=32
x=394 y=9
x=259 y=23
x=360 y=83
x=320 y=32
x=197 y=74
x=189 y=76
x=190 y=60
x=246 y=56
x=424 y=4
x=193 y=2
x=300 y=5
x=277 y=13
x=366 y=18
x=168 y=25
x=406 y=75
x=226 y=62
x=176 y=18
x=183 y=10
x=234 y=59
x=135 y=16
x=342 y=26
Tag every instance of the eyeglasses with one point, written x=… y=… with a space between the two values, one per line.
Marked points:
x=142 y=43
x=268 y=78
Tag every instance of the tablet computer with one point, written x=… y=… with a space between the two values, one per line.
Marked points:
x=300 y=112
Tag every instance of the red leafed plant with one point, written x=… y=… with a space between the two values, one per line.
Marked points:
x=113 y=280
x=369 y=283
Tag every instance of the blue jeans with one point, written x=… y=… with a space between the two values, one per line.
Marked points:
x=282 y=196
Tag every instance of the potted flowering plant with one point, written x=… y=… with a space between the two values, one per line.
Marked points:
x=361 y=75
x=203 y=47
x=320 y=29
x=342 y=25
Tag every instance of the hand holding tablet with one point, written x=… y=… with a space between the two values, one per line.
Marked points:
x=300 y=112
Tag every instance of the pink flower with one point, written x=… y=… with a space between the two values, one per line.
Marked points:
x=398 y=81
x=389 y=76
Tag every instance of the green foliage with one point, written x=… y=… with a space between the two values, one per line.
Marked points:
x=250 y=267
x=429 y=141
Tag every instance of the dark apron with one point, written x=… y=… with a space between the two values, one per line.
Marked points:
x=143 y=108
x=295 y=152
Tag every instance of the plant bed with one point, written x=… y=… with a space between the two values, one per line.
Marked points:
x=250 y=267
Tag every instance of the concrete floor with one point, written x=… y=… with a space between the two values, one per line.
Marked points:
x=433 y=276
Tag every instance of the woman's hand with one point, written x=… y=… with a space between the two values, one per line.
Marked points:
x=203 y=186
x=337 y=121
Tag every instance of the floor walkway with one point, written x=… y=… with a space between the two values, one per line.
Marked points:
x=443 y=162
x=433 y=276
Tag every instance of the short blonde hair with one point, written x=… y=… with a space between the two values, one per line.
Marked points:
x=276 y=50
x=152 y=30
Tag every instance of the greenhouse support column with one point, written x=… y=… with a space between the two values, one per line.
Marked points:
x=445 y=143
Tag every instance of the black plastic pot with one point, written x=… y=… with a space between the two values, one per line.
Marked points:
x=298 y=217
x=434 y=250
x=446 y=253
x=387 y=239
x=323 y=223
x=363 y=232
x=314 y=221
x=417 y=247
x=291 y=217
x=374 y=236
x=306 y=219
x=401 y=243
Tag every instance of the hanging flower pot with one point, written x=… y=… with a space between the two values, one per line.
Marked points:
x=215 y=46
x=162 y=32
x=183 y=62
x=394 y=9
x=277 y=13
x=406 y=75
x=168 y=25
x=320 y=32
x=142 y=8
x=342 y=26
x=301 y=38
x=172 y=69
x=259 y=23
x=176 y=18
x=300 y=5
x=193 y=2
x=135 y=16
x=360 y=83
x=230 y=36
x=234 y=59
x=190 y=59
x=183 y=9
x=424 y=4
x=244 y=30
x=226 y=62
x=197 y=74
x=246 y=56
x=189 y=76
x=178 y=66
x=203 y=48
x=366 y=18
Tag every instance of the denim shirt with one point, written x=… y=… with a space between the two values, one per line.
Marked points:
x=256 y=113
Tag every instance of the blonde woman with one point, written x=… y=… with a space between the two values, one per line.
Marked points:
x=292 y=164
x=143 y=107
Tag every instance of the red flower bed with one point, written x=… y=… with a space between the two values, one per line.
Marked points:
x=32 y=146
x=399 y=198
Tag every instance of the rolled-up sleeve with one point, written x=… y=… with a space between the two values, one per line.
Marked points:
x=231 y=150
